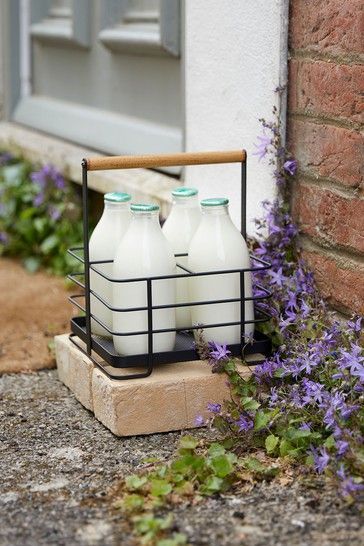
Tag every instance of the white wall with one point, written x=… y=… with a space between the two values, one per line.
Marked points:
x=235 y=56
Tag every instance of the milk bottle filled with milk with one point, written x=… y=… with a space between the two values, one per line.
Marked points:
x=143 y=252
x=218 y=245
x=102 y=246
x=179 y=229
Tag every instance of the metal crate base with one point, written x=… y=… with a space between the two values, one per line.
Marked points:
x=183 y=351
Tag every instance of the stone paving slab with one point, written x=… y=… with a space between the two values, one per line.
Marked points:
x=169 y=399
x=60 y=468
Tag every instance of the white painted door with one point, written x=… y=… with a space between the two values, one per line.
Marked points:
x=103 y=73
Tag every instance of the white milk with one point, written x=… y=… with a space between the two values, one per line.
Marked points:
x=102 y=246
x=143 y=252
x=179 y=228
x=218 y=245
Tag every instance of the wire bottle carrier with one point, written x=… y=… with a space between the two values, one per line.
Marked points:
x=142 y=365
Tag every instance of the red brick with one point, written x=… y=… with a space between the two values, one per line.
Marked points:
x=324 y=150
x=331 y=26
x=327 y=216
x=340 y=283
x=323 y=88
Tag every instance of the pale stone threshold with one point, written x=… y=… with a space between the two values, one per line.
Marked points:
x=142 y=184
x=170 y=399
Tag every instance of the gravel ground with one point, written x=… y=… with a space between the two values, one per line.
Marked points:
x=58 y=465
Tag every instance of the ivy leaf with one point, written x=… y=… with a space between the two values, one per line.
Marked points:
x=49 y=243
x=135 y=482
x=249 y=403
x=271 y=443
x=216 y=449
x=160 y=488
x=221 y=465
x=253 y=464
x=213 y=484
x=188 y=442
x=330 y=442
x=261 y=419
x=131 y=502
x=178 y=539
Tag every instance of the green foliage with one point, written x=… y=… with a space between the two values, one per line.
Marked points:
x=40 y=216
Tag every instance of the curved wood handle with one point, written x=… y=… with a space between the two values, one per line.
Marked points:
x=164 y=160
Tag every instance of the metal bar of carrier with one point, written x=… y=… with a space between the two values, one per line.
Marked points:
x=142 y=365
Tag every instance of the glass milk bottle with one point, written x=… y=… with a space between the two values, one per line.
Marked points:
x=179 y=228
x=143 y=252
x=218 y=245
x=102 y=246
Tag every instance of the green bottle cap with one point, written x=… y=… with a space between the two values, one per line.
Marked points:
x=144 y=207
x=182 y=191
x=214 y=202
x=117 y=197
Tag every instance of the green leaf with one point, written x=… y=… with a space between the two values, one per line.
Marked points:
x=285 y=447
x=132 y=502
x=134 y=482
x=49 y=243
x=253 y=464
x=216 y=449
x=261 y=419
x=188 y=442
x=330 y=442
x=212 y=484
x=178 y=539
x=271 y=443
x=31 y=264
x=221 y=465
x=188 y=464
x=249 y=404
x=160 y=488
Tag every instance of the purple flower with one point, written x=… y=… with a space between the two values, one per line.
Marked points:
x=38 y=199
x=341 y=447
x=347 y=485
x=218 y=352
x=244 y=423
x=54 y=213
x=266 y=369
x=214 y=408
x=5 y=157
x=305 y=426
x=277 y=276
x=262 y=146
x=199 y=421
x=48 y=174
x=313 y=391
x=4 y=238
x=290 y=166
x=355 y=325
x=320 y=459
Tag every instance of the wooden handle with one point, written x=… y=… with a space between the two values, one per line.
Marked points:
x=164 y=160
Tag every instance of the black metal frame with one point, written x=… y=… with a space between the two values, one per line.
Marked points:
x=184 y=349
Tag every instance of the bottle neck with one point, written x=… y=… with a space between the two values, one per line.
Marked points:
x=185 y=202
x=151 y=217
x=217 y=210
x=111 y=206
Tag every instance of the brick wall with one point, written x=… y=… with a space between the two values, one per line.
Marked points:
x=325 y=123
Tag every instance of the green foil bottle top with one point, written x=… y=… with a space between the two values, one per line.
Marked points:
x=117 y=197
x=214 y=202
x=183 y=191
x=144 y=207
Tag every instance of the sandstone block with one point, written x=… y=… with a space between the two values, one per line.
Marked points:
x=74 y=370
x=170 y=399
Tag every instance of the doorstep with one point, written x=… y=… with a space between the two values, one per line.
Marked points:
x=169 y=399
x=143 y=184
